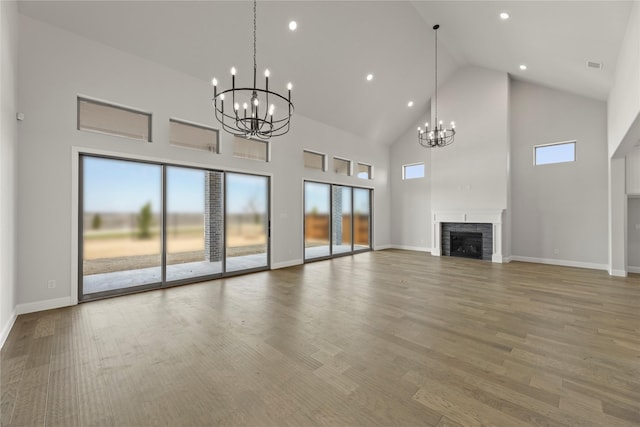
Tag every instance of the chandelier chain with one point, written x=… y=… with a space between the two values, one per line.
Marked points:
x=436 y=115
x=254 y=35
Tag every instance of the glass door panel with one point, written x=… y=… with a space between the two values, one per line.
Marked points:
x=247 y=221
x=341 y=220
x=194 y=236
x=121 y=225
x=317 y=227
x=361 y=219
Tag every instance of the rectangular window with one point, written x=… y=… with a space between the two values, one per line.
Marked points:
x=96 y=116
x=313 y=160
x=342 y=166
x=560 y=152
x=413 y=171
x=189 y=135
x=365 y=171
x=251 y=149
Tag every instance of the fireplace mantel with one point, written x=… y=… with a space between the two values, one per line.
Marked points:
x=493 y=217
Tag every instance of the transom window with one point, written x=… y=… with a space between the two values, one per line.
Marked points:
x=251 y=149
x=313 y=160
x=102 y=117
x=342 y=166
x=190 y=135
x=559 y=152
x=364 y=171
x=413 y=171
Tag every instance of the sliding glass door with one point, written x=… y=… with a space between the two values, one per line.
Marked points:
x=317 y=226
x=361 y=219
x=247 y=232
x=341 y=220
x=336 y=220
x=148 y=225
x=193 y=222
x=121 y=244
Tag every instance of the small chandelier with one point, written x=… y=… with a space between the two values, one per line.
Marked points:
x=251 y=115
x=438 y=136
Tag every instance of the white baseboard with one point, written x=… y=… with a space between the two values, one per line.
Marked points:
x=631 y=269
x=49 y=304
x=411 y=248
x=382 y=247
x=562 y=262
x=7 y=328
x=285 y=264
x=617 y=273
x=507 y=259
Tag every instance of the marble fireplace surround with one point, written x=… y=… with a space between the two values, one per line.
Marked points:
x=493 y=217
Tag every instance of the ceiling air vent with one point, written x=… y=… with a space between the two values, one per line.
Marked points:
x=594 y=65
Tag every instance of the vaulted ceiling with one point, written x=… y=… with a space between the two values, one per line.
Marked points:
x=337 y=43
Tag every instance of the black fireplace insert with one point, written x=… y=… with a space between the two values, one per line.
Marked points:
x=466 y=244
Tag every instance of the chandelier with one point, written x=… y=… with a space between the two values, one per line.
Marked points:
x=438 y=136
x=251 y=115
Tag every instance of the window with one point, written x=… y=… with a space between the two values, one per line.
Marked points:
x=413 y=171
x=559 y=152
x=313 y=160
x=365 y=171
x=97 y=116
x=342 y=166
x=251 y=149
x=194 y=136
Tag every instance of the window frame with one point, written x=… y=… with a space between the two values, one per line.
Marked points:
x=325 y=160
x=199 y=126
x=573 y=142
x=404 y=170
x=370 y=170
x=267 y=144
x=89 y=100
x=349 y=167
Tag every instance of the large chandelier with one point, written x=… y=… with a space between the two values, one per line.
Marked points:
x=438 y=136
x=251 y=115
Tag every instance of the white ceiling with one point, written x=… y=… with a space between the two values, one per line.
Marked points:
x=338 y=43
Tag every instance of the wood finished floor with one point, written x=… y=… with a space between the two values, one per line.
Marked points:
x=381 y=338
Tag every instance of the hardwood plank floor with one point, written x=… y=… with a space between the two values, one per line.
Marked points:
x=381 y=338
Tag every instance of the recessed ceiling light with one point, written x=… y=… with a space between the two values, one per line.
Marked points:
x=369 y=77
x=410 y=104
x=523 y=67
x=293 y=25
x=504 y=16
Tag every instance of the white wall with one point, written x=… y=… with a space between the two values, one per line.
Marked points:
x=624 y=98
x=410 y=199
x=472 y=172
x=56 y=66
x=633 y=172
x=559 y=210
x=8 y=149
x=617 y=218
x=633 y=238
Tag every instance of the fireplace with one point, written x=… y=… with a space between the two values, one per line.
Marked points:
x=469 y=240
x=466 y=245
x=486 y=222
